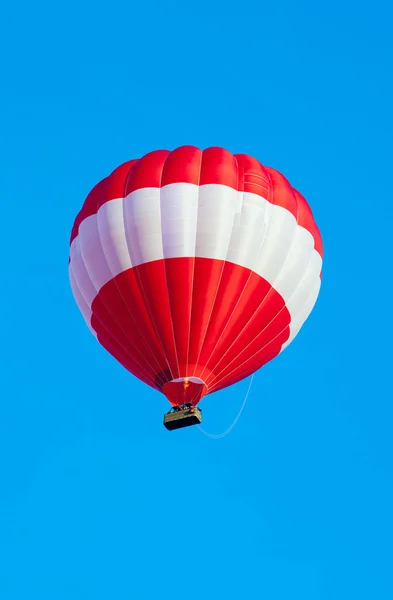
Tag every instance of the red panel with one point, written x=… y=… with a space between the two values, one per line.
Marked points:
x=220 y=167
x=125 y=359
x=250 y=366
x=207 y=278
x=153 y=285
x=179 y=277
x=133 y=352
x=183 y=317
x=282 y=193
x=183 y=165
x=228 y=326
x=250 y=343
x=147 y=172
x=120 y=308
x=230 y=292
x=253 y=177
x=116 y=183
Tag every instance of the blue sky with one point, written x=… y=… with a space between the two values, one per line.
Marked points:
x=297 y=501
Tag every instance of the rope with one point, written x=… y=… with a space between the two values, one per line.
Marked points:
x=218 y=436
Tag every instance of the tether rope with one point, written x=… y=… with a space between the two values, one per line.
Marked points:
x=217 y=436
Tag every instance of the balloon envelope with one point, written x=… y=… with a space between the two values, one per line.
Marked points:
x=195 y=268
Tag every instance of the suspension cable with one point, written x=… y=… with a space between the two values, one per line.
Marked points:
x=218 y=436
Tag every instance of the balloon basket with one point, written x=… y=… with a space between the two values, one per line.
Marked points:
x=183 y=416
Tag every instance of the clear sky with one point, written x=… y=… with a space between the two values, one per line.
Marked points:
x=296 y=503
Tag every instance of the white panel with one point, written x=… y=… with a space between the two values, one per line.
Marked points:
x=82 y=305
x=249 y=230
x=82 y=278
x=73 y=247
x=142 y=218
x=277 y=242
x=302 y=312
x=92 y=252
x=113 y=236
x=296 y=263
x=217 y=207
x=299 y=297
x=179 y=210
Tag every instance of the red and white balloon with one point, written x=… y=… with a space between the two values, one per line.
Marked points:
x=195 y=268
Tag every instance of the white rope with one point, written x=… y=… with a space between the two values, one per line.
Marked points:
x=218 y=436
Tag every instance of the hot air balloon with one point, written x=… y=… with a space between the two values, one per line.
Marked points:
x=194 y=268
